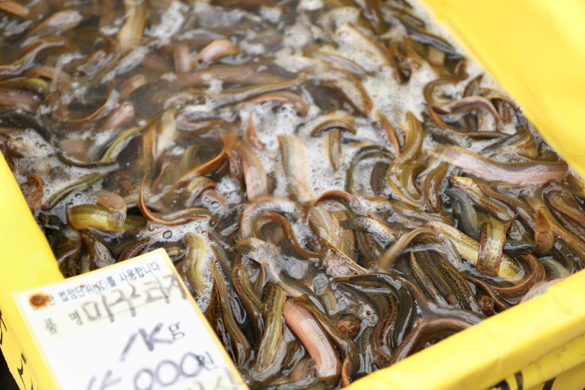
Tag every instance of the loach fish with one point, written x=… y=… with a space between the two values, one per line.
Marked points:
x=337 y=186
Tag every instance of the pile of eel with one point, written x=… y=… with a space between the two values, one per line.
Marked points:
x=338 y=186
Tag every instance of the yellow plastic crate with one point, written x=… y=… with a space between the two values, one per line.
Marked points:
x=536 y=50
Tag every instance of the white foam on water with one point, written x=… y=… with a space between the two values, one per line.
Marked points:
x=394 y=99
x=251 y=48
x=230 y=189
x=42 y=160
x=294 y=267
x=271 y=14
x=171 y=22
x=310 y=5
x=339 y=16
x=298 y=35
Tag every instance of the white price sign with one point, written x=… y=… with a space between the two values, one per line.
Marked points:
x=131 y=326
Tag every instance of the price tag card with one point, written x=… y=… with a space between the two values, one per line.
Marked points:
x=131 y=326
